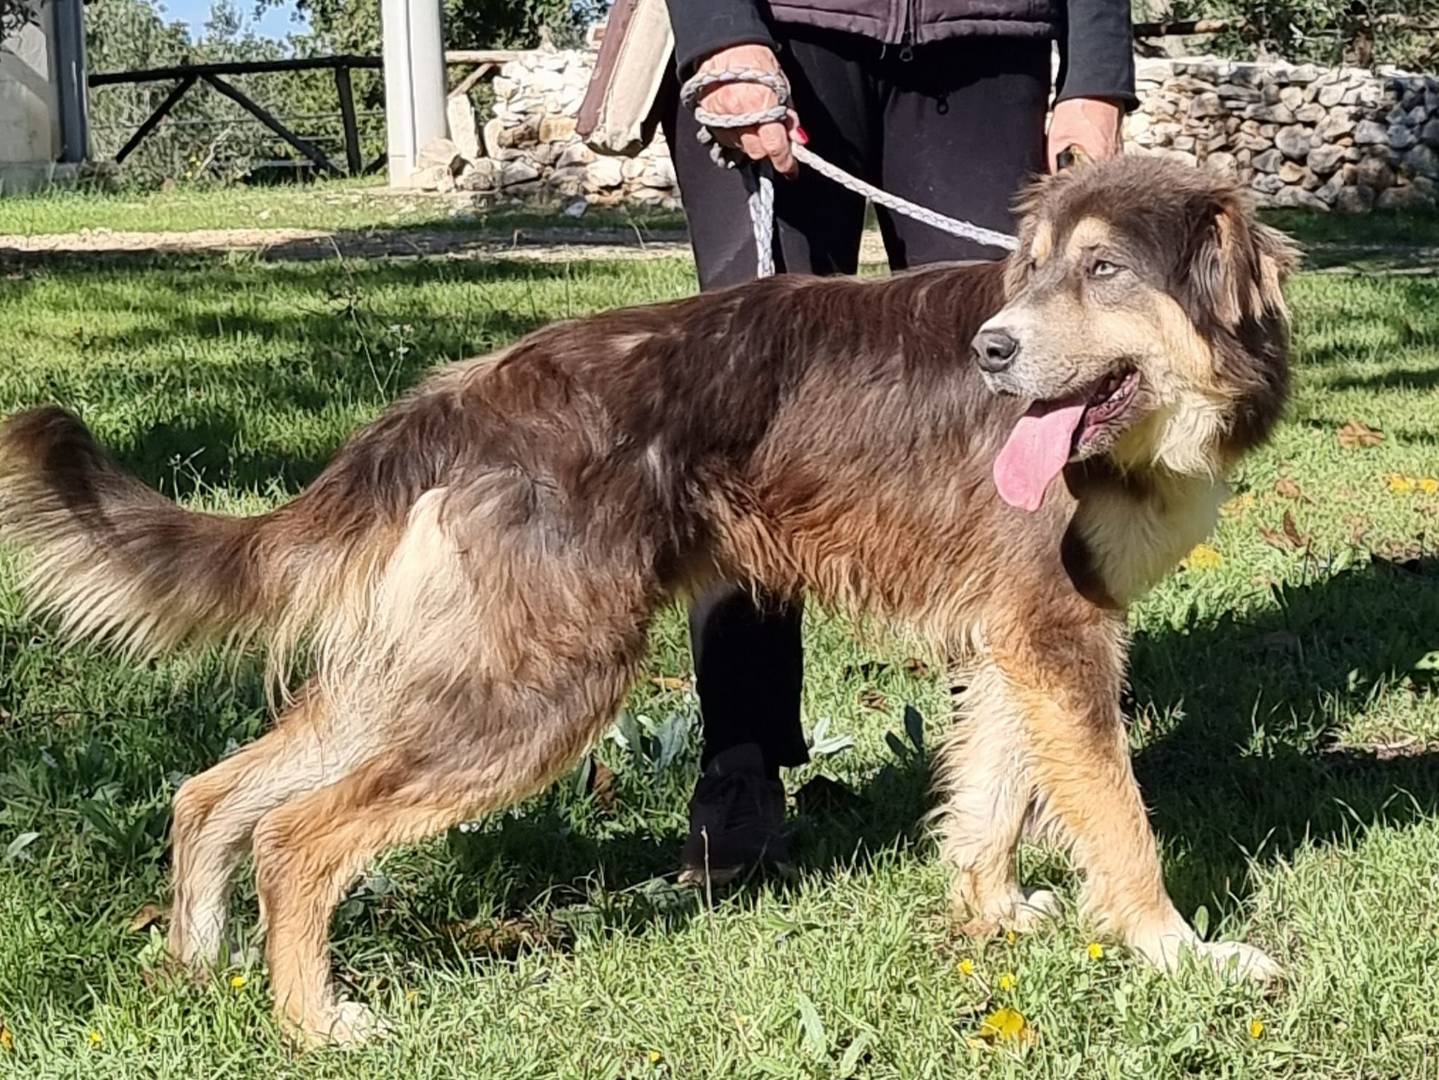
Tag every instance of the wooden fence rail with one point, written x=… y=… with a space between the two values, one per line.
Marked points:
x=485 y=62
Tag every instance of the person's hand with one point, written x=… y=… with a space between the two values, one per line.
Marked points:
x=1092 y=124
x=756 y=141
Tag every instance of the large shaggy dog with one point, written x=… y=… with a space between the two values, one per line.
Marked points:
x=999 y=457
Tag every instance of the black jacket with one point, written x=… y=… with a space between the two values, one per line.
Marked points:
x=1096 y=49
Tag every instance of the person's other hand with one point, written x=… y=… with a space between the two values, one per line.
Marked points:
x=756 y=141
x=1092 y=124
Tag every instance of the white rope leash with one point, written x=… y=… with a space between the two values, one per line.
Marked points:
x=760 y=181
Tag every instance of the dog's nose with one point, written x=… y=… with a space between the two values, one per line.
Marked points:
x=995 y=350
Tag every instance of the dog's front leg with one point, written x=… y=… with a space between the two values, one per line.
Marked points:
x=985 y=796
x=1057 y=683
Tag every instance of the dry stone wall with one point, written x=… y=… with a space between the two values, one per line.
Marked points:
x=1340 y=139
x=526 y=148
x=1297 y=135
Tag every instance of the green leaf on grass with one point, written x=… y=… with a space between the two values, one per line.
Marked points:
x=815 y=1041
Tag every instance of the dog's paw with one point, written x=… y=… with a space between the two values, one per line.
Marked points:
x=355 y=1023
x=1036 y=908
x=1234 y=960
x=1239 y=962
x=195 y=946
x=1022 y=911
x=349 y=1023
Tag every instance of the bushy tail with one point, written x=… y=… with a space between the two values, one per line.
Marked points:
x=113 y=560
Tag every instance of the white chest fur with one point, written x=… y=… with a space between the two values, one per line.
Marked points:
x=1135 y=539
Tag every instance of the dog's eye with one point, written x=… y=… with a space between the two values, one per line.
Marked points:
x=1102 y=268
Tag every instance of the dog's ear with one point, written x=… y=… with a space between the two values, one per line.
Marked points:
x=1236 y=265
x=1027 y=206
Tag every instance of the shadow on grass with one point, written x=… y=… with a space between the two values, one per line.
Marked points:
x=1398 y=379
x=1247 y=764
x=328 y=346
x=455 y=239
x=1252 y=764
x=1241 y=762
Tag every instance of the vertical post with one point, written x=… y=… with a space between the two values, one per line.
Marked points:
x=414 y=55
x=347 y=117
x=70 y=70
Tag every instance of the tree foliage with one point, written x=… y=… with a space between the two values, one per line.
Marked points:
x=1360 y=32
x=354 y=25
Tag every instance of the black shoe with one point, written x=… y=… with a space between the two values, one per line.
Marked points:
x=736 y=819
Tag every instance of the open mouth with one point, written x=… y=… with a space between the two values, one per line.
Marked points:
x=1052 y=433
x=1104 y=405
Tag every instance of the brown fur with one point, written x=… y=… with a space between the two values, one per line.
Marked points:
x=476 y=571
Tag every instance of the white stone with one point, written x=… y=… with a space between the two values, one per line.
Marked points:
x=1338 y=122
x=1206 y=104
x=1292 y=196
x=605 y=172
x=576 y=153
x=1325 y=159
x=481 y=175
x=1291 y=172
x=1222 y=163
x=517 y=172
x=440 y=153
x=1269 y=161
x=1294 y=143
x=1370 y=133
x=463 y=129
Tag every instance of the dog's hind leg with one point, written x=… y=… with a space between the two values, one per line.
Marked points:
x=986 y=794
x=470 y=746
x=216 y=811
x=1064 y=676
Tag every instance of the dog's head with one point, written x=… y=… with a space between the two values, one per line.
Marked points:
x=1144 y=319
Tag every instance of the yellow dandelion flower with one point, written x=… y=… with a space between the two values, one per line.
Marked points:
x=7 y=1040
x=656 y=1057
x=1010 y=938
x=1204 y=557
x=1399 y=483
x=966 y=966
x=1096 y=951
x=1003 y=1025
x=1007 y=980
x=95 y=1038
x=237 y=982
x=1427 y=484
x=1256 y=1029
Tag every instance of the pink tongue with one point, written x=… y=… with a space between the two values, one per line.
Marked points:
x=1035 y=453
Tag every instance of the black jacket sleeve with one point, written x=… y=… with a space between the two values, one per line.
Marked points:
x=705 y=26
x=1096 y=54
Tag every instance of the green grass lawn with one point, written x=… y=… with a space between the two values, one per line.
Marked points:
x=1286 y=734
x=333 y=205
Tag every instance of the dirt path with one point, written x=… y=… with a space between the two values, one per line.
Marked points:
x=551 y=245
x=546 y=245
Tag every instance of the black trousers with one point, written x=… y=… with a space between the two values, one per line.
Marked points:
x=957 y=127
